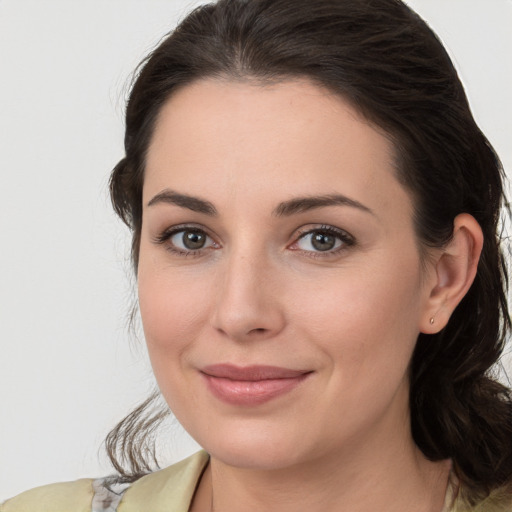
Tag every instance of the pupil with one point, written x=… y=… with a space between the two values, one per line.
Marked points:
x=323 y=242
x=193 y=240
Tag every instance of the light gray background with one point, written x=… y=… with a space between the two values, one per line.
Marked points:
x=68 y=370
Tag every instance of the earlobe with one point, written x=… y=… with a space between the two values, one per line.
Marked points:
x=455 y=271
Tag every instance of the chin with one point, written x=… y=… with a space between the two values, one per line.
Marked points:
x=253 y=457
x=263 y=450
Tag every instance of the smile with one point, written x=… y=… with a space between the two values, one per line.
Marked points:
x=251 y=385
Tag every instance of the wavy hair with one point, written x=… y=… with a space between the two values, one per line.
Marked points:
x=383 y=58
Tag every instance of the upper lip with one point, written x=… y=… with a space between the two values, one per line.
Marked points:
x=251 y=373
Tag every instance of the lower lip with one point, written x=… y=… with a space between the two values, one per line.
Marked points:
x=243 y=392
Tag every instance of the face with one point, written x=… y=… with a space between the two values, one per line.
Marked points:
x=280 y=284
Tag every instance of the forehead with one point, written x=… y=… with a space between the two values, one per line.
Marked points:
x=289 y=138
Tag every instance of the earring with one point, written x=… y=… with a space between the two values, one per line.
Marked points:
x=432 y=321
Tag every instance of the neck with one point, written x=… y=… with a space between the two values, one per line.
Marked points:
x=420 y=487
x=400 y=483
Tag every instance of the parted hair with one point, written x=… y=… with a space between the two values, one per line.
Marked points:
x=383 y=58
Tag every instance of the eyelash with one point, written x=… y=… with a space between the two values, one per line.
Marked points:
x=346 y=239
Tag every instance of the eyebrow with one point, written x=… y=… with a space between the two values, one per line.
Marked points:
x=306 y=203
x=284 y=209
x=185 y=201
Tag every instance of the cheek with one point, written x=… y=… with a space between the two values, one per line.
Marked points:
x=365 y=317
x=172 y=316
x=365 y=326
x=172 y=312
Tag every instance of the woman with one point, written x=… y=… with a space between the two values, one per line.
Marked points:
x=314 y=216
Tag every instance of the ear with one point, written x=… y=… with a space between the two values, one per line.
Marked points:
x=454 y=272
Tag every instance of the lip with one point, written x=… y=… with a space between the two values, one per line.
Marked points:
x=251 y=385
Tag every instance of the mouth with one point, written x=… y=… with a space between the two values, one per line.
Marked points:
x=251 y=385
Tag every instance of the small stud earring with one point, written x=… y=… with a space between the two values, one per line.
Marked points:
x=432 y=321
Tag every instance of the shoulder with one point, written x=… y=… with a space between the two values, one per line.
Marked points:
x=168 y=490
x=500 y=500
x=62 y=497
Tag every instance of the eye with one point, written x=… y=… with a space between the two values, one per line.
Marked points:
x=185 y=240
x=189 y=239
x=326 y=239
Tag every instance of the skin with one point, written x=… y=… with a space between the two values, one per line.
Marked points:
x=259 y=292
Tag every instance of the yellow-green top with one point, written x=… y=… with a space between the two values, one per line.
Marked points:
x=168 y=490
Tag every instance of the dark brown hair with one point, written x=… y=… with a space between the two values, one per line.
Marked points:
x=380 y=56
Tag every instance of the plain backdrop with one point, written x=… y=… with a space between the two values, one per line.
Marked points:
x=69 y=368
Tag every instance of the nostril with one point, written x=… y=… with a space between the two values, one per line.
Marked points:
x=258 y=330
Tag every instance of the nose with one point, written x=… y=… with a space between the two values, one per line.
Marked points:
x=247 y=306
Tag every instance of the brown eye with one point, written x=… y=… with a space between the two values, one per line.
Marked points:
x=323 y=241
x=188 y=240
x=327 y=239
x=193 y=240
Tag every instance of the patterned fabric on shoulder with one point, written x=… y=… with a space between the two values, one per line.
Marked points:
x=107 y=496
